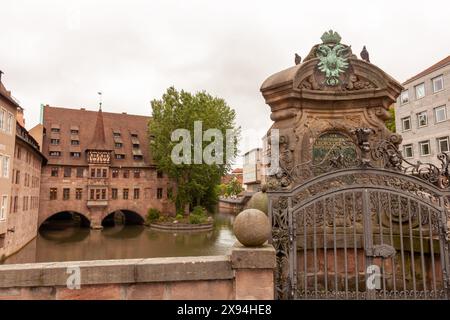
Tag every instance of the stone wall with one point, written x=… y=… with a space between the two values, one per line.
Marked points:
x=247 y=273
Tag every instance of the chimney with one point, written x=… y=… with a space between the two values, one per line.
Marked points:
x=1 y=72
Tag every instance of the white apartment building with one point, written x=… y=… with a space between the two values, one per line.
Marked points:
x=422 y=114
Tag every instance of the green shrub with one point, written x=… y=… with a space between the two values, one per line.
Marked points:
x=179 y=217
x=153 y=215
x=193 y=219
x=198 y=215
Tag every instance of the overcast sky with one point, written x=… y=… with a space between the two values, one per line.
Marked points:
x=62 y=53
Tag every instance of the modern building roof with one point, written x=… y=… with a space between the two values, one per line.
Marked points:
x=90 y=126
x=438 y=65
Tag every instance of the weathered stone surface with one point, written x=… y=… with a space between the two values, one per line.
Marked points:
x=254 y=284
x=253 y=258
x=259 y=201
x=98 y=292
x=184 y=268
x=146 y=291
x=201 y=290
x=252 y=227
x=184 y=278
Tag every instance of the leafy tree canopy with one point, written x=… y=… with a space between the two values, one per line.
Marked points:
x=196 y=183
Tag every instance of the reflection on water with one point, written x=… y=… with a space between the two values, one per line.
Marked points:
x=126 y=242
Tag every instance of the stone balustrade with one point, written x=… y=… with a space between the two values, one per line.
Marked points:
x=247 y=273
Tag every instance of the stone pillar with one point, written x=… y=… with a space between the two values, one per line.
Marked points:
x=254 y=272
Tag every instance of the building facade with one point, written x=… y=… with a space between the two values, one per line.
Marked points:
x=99 y=164
x=422 y=114
x=8 y=111
x=252 y=169
x=24 y=202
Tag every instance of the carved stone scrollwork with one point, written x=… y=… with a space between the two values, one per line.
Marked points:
x=383 y=250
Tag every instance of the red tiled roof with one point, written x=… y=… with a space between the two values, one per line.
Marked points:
x=444 y=62
x=86 y=121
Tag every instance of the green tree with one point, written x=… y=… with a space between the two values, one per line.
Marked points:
x=390 y=123
x=196 y=183
x=234 y=187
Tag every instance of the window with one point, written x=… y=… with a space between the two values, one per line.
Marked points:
x=116 y=134
x=3 y=207
x=66 y=194
x=55 y=130
x=136 y=145
x=114 y=193
x=136 y=194
x=440 y=114
x=137 y=157
x=408 y=151
x=438 y=83
x=92 y=173
x=67 y=172
x=424 y=148
x=53 y=193
x=2 y=119
x=75 y=154
x=159 y=193
x=92 y=194
x=55 y=153
x=118 y=145
x=17 y=176
x=404 y=97
x=103 y=194
x=125 y=194
x=126 y=173
x=115 y=173
x=15 y=204
x=420 y=91
x=422 y=119
x=134 y=135
x=9 y=123
x=99 y=173
x=159 y=174
x=104 y=173
x=120 y=156
x=54 y=141
x=137 y=173
x=78 y=193
x=5 y=166
x=25 y=203
x=74 y=132
x=406 y=123
x=54 y=172
x=80 y=172
x=18 y=152
x=443 y=144
x=75 y=142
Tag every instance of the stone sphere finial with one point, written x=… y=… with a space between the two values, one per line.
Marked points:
x=252 y=227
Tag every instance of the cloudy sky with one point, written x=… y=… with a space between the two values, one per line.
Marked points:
x=63 y=52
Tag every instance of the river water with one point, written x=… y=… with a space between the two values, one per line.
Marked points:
x=126 y=242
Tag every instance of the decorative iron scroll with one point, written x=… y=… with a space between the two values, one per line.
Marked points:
x=281 y=243
x=382 y=154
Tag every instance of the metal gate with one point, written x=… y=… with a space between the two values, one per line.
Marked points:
x=358 y=231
